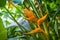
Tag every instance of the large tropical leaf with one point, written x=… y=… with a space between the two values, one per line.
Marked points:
x=3 y=31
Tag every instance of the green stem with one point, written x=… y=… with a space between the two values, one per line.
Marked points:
x=45 y=28
x=15 y=20
x=34 y=8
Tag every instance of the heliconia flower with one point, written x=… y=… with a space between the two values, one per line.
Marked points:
x=33 y=19
x=41 y=20
x=36 y=31
x=30 y=15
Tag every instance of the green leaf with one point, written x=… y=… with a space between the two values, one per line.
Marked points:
x=52 y=5
x=1 y=14
x=26 y=4
x=34 y=8
x=2 y=3
x=56 y=28
x=5 y=14
x=58 y=1
x=3 y=31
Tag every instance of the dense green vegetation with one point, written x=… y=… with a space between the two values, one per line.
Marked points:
x=29 y=19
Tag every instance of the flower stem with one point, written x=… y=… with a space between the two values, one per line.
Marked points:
x=45 y=28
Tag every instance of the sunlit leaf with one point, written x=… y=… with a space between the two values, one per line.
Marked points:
x=52 y=5
x=5 y=14
x=1 y=14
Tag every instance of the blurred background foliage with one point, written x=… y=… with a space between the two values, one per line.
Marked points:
x=13 y=24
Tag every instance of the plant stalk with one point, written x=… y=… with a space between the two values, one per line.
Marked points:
x=45 y=28
x=20 y=26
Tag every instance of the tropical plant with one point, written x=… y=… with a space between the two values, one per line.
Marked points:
x=29 y=20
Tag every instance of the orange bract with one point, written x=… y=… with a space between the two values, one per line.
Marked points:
x=36 y=31
x=41 y=20
x=33 y=19
x=30 y=15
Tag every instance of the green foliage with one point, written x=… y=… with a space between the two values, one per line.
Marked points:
x=58 y=1
x=39 y=8
x=56 y=28
x=1 y=14
x=52 y=5
x=2 y=3
x=3 y=31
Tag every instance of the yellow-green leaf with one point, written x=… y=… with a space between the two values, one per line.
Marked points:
x=56 y=28
x=3 y=31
